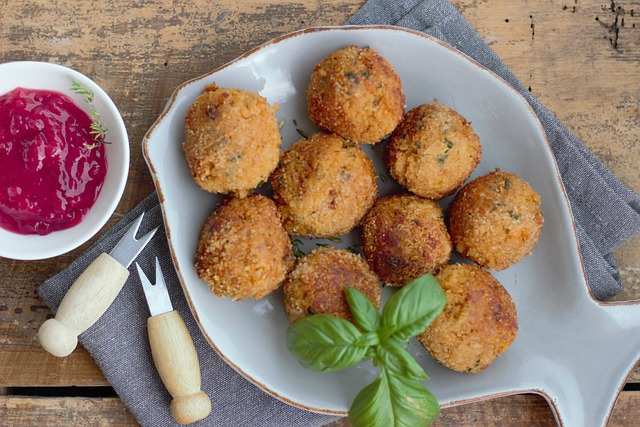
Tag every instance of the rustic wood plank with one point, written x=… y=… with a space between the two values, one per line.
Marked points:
x=63 y=411
x=513 y=411
x=141 y=55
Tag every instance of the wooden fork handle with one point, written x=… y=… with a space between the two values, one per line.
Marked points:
x=86 y=300
x=177 y=363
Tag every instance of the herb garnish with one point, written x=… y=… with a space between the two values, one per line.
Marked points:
x=507 y=183
x=397 y=397
x=297 y=248
x=354 y=249
x=96 y=129
x=300 y=131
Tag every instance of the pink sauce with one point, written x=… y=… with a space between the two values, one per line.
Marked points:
x=49 y=179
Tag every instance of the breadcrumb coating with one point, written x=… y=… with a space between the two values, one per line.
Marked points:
x=244 y=252
x=433 y=151
x=323 y=186
x=355 y=93
x=496 y=220
x=232 y=140
x=478 y=324
x=318 y=282
x=404 y=237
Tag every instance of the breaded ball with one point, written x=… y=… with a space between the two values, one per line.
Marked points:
x=357 y=94
x=479 y=321
x=433 y=151
x=232 y=140
x=244 y=252
x=496 y=220
x=323 y=186
x=404 y=237
x=317 y=284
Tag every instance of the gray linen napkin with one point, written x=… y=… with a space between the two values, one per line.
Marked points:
x=605 y=210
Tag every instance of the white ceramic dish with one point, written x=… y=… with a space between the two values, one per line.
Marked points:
x=574 y=351
x=42 y=75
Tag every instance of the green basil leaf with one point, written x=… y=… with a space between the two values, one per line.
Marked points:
x=372 y=406
x=393 y=401
x=326 y=343
x=364 y=313
x=410 y=310
x=393 y=356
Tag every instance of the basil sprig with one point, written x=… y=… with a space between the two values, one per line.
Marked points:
x=397 y=398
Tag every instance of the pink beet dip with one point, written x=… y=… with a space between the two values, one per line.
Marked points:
x=49 y=174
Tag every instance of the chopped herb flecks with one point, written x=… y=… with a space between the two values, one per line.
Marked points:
x=300 y=131
x=297 y=248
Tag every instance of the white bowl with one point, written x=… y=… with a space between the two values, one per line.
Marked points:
x=42 y=75
x=570 y=349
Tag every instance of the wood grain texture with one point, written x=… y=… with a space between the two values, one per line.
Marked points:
x=63 y=411
x=140 y=51
x=513 y=411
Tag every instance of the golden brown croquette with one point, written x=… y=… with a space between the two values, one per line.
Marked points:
x=404 y=237
x=433 y=151
x=244 y=252
x=323 y=186
x=232 y=140
x=496 y=220
x=319 y=280
x=479 y=321
x=355 y=93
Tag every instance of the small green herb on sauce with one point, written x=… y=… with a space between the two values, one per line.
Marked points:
x=96 y=129
x=86 y=93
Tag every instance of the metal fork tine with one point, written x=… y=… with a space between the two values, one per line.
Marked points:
x=159 y=275
x=133 y=229
x=145 y=239
x=156 y=294
x=143 y=278
x=128 y=247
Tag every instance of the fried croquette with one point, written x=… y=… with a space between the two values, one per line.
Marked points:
x=317 y=284
x=323 y=186
x=404 y=237
x=244 y=252
x=433 y=151
x=479 y=321
x=355 y=93
x=232 y=140
x=496 y=220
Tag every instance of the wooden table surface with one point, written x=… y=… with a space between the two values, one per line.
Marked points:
x=581 y=57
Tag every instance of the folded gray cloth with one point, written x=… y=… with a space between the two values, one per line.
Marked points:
x=606 y=213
